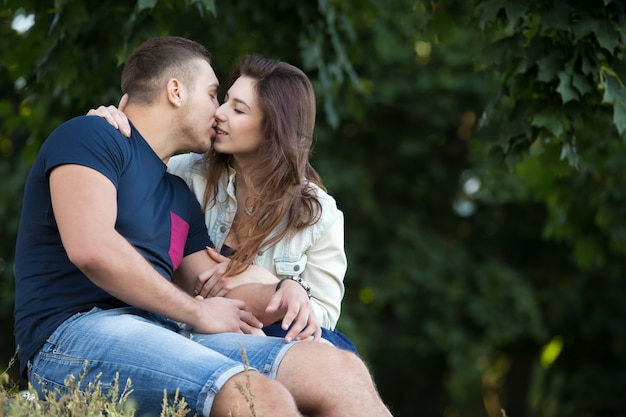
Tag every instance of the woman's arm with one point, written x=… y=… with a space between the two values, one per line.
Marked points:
x=257 y=286
x=325 y=271
x=214 y=281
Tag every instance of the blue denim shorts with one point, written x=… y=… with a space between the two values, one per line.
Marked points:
x=154 y=353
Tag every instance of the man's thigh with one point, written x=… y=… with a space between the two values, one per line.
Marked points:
x=131 y=345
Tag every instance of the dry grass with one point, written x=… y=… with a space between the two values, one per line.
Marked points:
x=91 y=401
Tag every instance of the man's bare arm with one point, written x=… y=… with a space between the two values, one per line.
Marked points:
x=85 y=208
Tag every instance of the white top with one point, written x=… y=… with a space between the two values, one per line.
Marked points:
x=315 y=253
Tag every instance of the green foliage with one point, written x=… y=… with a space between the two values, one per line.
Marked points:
x=559 y=62
x=452 y=291
x=559 y=118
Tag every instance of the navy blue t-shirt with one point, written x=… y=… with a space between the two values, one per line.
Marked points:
x=157 y=214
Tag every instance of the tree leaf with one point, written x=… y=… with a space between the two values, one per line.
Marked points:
x=514 y=11
x=549 y=121
x=584 y=26
x=488 y=11
x=615 y=94
x=557 y=17
x=568 y=93
x=568 y=152
x=145 y=4
x=549 y=66
x=587 y=66
x=493 y=53
x=209 y=5
x=581 y=84
x=607 y=36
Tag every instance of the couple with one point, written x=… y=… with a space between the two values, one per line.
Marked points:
x=112 y=274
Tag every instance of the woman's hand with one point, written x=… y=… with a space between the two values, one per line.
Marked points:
x=215 y=283
x=212 y=282
x=114 y=115
x=299 y=316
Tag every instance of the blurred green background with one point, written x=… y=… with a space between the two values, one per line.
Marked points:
x=476 y=147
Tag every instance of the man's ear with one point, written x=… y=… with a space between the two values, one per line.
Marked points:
x=175 y=92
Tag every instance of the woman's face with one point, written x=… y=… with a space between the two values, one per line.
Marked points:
x=239 y=119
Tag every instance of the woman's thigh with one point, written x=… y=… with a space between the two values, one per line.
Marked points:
x=262 y=353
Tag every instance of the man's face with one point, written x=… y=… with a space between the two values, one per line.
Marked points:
x=198 y=110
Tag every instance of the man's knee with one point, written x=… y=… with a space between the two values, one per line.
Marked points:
x=325 y=355
x=251 y=390
x=320 y=362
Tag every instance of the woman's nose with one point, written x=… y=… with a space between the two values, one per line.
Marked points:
x=219 y=114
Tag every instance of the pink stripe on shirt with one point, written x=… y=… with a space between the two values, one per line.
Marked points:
x=178 y=238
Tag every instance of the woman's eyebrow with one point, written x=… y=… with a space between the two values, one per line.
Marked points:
x=238 y=100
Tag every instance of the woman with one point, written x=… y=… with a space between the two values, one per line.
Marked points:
x=264 y=202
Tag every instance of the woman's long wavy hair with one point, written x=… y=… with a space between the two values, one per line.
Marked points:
x=279 y=180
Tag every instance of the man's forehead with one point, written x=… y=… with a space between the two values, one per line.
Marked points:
x=208 y=77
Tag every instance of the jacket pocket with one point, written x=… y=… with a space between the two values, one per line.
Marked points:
x=290 y=265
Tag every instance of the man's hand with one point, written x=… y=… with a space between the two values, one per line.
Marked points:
x=220 y=315
x=114 y=115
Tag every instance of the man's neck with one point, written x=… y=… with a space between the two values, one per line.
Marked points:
x=155 y=127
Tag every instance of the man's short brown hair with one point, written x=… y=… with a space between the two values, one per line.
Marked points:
x=159 y=59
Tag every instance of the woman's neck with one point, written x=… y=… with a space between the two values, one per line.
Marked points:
x=241 y=186
x=241 y=165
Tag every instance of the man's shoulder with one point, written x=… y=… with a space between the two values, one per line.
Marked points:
x=85 y=129
x=85 y=122
x=88 y=141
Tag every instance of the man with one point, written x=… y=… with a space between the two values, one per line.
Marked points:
x=108 y=252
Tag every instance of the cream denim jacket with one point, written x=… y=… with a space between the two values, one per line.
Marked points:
x=315 y=253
